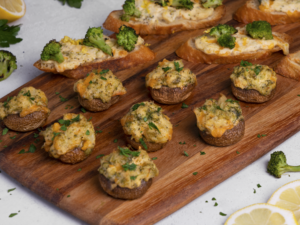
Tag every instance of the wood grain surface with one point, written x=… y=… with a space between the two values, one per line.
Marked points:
x=176 y=185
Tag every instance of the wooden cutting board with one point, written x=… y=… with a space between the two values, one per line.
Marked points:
x=79 y=192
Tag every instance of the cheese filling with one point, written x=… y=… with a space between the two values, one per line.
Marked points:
x=286 y=6
x=143 y=119
x=167 y=75
x=29 y=100
x=243 y=44
x=76 y=54
x=215 y=117
x=114 y=167
x=154 y=13
x=100 y=85
x=62 y=137
x=258 y=77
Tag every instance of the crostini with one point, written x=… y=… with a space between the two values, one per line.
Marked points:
x=170 y=82
x=273 y=11
x=26 y=111
x=221 y=122
x=289 y=66
x=253 y=83
x=71 y=139
x=165 y=16
x=126 y=174
x=99 y=90
x=225 y=44
x=75 y=58
x=147 y=127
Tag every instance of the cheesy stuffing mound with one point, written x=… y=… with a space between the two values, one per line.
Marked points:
x=286 y=6
x=102 y=85
x=73 y=131
x=126 y=168
x=29 y=100
x=170 y=74
x=146 y=121
x=216 y=117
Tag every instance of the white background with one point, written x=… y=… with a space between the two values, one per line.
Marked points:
x=48 y=19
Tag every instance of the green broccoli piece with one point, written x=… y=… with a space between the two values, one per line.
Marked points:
x=94 y=38
x=260 y=30
x=211 y=3
x=180 y=4
x=8 y=63
x=226 y=40
x=127 y=38
x=221 y=29
x=278 y=166
x=130 y=10
x=52 y=51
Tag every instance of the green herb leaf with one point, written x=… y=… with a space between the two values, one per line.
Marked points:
x=145 y=119
x=195 y=173
x=133 y=177
x=184 y=105
x=182 y=143
x=22 y=151
x=143 y=144
x=90 y=118
x=136 y=106
x=154 y=158
x=99 y=131
x=76 y=119
x=27 y=94
x=126 y=152
x=237 y=152
x=8 y=34
x=103 y=78
x=263 y=135
x=116 y=140
x=68 y=196
x=165 y=69
x=13 y=137
x=83 y=110
x=128 y=166
x=216 y=204
x=158 y=110
x=257 y=70
x=12 y=214
x=62 y=99
x=219 y=108
x=258 y=136
x=214 y=199
x=99 y=156
x=5 y=130
x=64 y=128
x=104 y=71
x=245 y=63
x=258 y=185
x=72 y=3
x=177 y=67
x=35 y=135
x=55 y=134
x=185 y=154
x=202 y=153
x=37 y=140
x=254 y=191
x=223 y=214
x=57 y=93
x=79 y=170
x=87 y=132
x=9 y=190
x=152 y=125
x=32 y=148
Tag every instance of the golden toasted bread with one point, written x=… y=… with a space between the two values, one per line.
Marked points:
x=289 y=66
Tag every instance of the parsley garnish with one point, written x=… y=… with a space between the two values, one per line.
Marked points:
x=62 y=99
x=83 y=110
x=219 y=108
x=35 y=135
x=99 y=156
x=245 y=63
x=103 y=78
x=145 y=119
x=63 y=127
x=99 y=131
x=133 y=177
x=90 y=82
x=87 y=132
x=128 y=166
x=216 y=204
x=223 y=214
x=158 y=110
x=136 y=106
x=68 y=196
x=79 y=170
x=90 y=119
x=195 y=173
x=126 y=152
x=182 y=143
x=254 y=191
x=12 y=214
x=202 y=153
x=185 y=154
x=213 y=199
x=116 y=140
x=177 y=67
x=72 y=3
x=22 y=151
x=64 y=122
x=8 y=34
x=143 y=144
x=9 y=190
x=55 y=134
x=13 y=137
x=184 y=105
x=257 y=70
x=237 y=152
x=57 y=93
x=5 y=130
x=152 y=125
x=165 y=69
x=154 y=158
x=104 y=71
x=32 y=148
x=258 y=185
x=258 y=136
x=8 y=99
x=76 y=119
x=27 y=94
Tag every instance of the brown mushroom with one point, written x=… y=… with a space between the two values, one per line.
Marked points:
x=124 y=193
x=151 y=146
x=97 y=105
x=75 y=156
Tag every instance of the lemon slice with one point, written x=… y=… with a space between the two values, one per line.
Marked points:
x=262 y=214
x=12 y=10
x=288 y=197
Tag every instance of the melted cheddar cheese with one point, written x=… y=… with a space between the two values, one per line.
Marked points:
x=286 y=6
x=258 y=77
x=243 y=44
x=215 y=117
x=112 y=167
x=102 y=85
x=76 y=54
x=166 y=75
x=154 y=13
x=62 y=137
x=29 y=100
x=136 y=123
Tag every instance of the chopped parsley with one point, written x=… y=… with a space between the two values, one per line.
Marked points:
x=6 y=102
x=63 y=127
x=9 y=190
x=90 y=119
x=13 y=137
x=213 y=199
x=145 y=119
x=5 y=130
x=195 y=173
x=83 y=110
x=87 y=132
x=158 y=110
x=68 y=196
x=57 y=93
x=27 y=94
x=99 y=156
x=258 y=185
x=128 y=166
x=231 y=100
x=216 y=204
x=116 y=140
x=223 y=214
x=185 y=154
x=165 y=69
x=62 y=99
x=152 y=125
x=143 y=144
x=55 y=134
x=104 y=71
x=99 y=131
x=202 y=153
x=245 y=63
x=254 y=191
x=136 y=106
x=133 y=177
x=184 y=106
x=182 y=143
x=76 y=119
x=22 y=151
x=35 y=135
x=154 y=158
x=258 y=136
x=90 y=82
x=177 y=67
x=12 y=215
x=257 y=70
x=79 y=170
x=126 y=152
x=32 y=148
x=237 y=152
x=103 y=78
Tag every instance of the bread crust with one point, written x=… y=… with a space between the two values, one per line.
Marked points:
x=251 y=95
x=189 y=52
x=124 y=193
x=167 y=95
x=97 y=105
x=288 y=67
x=139 y=56
x=152 y=147
x=230 y=137
x=113 y=22
x=250 y=12
x=27 y=123
x=75 y=156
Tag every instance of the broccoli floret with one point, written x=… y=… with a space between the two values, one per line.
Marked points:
x=226 y=40
x=221 y=29
x=130 y=10
x=182 y=4
x=127 y=38
x=8 y=63
x=94 y=38
x=211 y=3
x=260 y=30
x=52 y=51
x=278 y=166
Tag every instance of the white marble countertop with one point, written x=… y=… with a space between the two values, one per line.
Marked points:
x=46 y=20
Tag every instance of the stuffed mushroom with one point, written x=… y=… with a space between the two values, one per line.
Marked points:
x=26 y=111
x=253 y=83
x=99 y=90
x=127 y=174
x=71 y=139
x=170 y=82
x=146 y=126
x=221 y=122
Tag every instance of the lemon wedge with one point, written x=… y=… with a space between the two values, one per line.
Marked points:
x=12 y=10
x=262 y=214
x=288 y=197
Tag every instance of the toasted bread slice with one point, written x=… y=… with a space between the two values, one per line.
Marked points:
x=140 y=55
x=113 y=22
x=189 y=52
x=250 y=12
x=289 y=66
